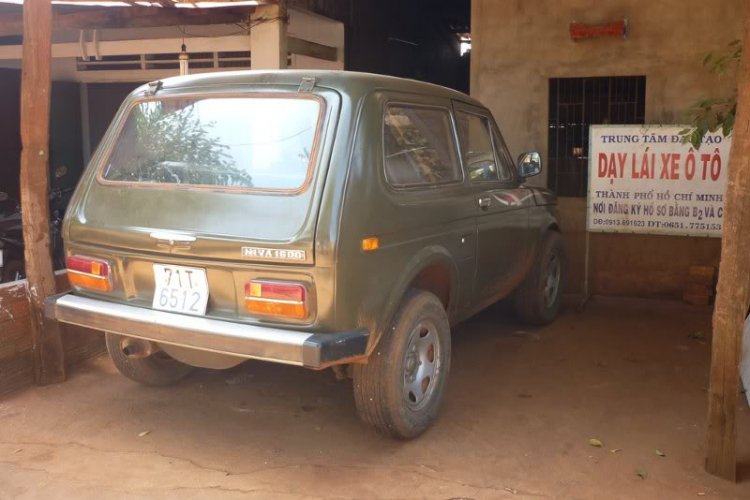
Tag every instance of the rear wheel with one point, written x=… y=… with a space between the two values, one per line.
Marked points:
x=158 y=369
x=399 y=391
x=538 y=301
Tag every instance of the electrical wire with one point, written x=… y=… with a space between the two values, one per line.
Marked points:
x=245 y=27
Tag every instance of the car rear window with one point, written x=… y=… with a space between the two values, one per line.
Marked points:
x=227 y=142
x=419 y=146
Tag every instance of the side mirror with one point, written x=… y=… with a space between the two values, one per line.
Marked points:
x=529 y=164
x=3 y=196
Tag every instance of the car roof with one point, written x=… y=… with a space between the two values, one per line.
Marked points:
x=351 y=83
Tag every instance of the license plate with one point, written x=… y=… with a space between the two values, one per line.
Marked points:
x=180 y=289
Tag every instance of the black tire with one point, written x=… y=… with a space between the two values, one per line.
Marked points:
x=532 y=300
x=13 y=271
x=394 y=394
x=159 y=369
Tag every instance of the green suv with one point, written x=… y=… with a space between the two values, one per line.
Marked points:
x=319 y=219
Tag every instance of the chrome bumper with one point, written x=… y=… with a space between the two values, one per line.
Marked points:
x=311 y=350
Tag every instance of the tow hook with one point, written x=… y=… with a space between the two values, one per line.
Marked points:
x=138 y=348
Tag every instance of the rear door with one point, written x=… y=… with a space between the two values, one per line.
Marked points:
x=229 y=170
x=501 y=204
x=218 y=181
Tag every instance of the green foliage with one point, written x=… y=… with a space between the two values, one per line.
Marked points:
x=718 y=64
x=711 y=115
x=174 y=147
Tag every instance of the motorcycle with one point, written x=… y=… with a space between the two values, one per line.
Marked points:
x=11 y=234
x=11 y=242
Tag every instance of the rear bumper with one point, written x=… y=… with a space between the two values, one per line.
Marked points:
x=311 y=350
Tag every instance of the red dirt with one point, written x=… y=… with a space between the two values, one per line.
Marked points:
x=516 y=422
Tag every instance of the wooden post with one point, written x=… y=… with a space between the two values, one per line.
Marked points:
x=733 y=295
x=36 y=86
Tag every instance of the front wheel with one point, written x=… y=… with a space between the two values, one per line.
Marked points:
x=398 y=392
x=538 y=301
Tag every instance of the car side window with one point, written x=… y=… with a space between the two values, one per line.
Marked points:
x=420 y=148
x=505 y=167
x=476 y=135
x=476 y=147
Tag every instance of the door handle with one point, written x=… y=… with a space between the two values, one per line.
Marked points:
x=172 y=240
x=485 y=202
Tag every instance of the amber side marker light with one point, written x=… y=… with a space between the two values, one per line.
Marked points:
x=93 y=274
x=370 y=244
x=271 y=298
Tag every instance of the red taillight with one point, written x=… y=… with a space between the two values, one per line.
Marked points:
x=274 y=298
x=90 y=273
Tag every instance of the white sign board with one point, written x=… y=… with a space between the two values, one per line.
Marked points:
x=642 y=179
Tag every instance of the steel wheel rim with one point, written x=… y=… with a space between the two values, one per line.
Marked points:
x=421 y=365
x=552 y=280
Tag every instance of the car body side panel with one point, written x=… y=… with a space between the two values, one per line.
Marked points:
x=503 y=230
x=415 y=227
x=542 y=219
x=503 y=241
x=544 y=196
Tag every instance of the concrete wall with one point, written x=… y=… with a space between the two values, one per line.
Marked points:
x=517 y=46
x=302 y=24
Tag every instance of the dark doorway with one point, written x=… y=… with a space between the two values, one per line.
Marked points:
x=10 y=134
x=66 y=158
x=417 y=39
x=574 y=105
x=104 y=99
x=65 y=135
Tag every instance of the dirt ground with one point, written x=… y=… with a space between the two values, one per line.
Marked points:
x=521 y=408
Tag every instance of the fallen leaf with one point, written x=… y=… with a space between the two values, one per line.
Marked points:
x=641 y=473
x=144 y=433
x=595 y=442
x=616 y=450
x=19 y=450
x=697 y=336
x=511 y=490
x=660 y=453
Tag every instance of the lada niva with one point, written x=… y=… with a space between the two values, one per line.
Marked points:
x=319 y=219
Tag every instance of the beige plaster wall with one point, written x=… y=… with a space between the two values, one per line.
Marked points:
x=518 y=45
